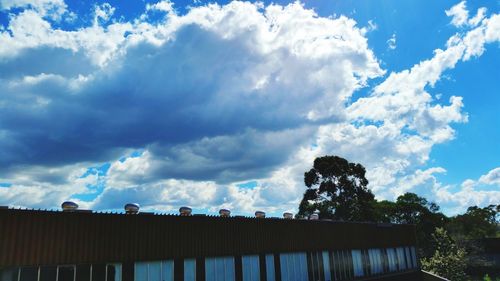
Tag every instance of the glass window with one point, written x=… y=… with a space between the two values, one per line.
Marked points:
x=349 y=268
x=326 y=266
x=270 y=268
x=408 y=258
x=414 y=257
x=219 y=269
x=82 y=273
x=140 y=272
x=391 y=257
x=401 y=258
x=285 y=276
x=167 y=270
x=49 y=273
x=28 y=274
x=154 y=271
x=314 y=269
x=338 y=265
x=300 y=266
x=99 y=272
x=375 y=256
x=293 y=267
x=66 y=273
x=113 y=272
x=10 y=274
x=251 y=270
x=357 y=263
x=190 y=270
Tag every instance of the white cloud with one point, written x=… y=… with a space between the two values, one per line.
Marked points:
x=391 y=43
x=53 y=9
x=471 y=192
x=459 y=14
x=492 y=177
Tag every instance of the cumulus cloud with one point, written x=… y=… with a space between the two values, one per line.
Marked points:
x=213 y=98
x=391 y=43
x=458 y=13
x=471 y=192
x=53 y=9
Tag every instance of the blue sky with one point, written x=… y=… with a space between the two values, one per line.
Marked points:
x=227 y=104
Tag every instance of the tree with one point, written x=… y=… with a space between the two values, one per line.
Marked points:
x=337 y=189
x=410 y=208
x=448 y=259
x=476 y=223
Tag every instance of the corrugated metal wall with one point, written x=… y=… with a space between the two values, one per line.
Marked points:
x=29 y=237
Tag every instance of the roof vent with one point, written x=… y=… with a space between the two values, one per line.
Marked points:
x=260 y=214
x=132 y=208
x=69 y=206
x=185 y=211
x=314 y=217
x=288 y=215
x=224 y=213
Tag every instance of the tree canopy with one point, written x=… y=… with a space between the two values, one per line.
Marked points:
x=448 y=260
x=337 y=189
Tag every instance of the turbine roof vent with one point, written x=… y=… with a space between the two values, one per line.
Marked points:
x=224 y=213
x=260 y=214
x=185 y=211
x=69 y=206
x=132 y=208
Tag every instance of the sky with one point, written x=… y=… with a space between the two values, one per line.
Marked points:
x=226 y=104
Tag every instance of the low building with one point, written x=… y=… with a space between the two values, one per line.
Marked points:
x=77 y=245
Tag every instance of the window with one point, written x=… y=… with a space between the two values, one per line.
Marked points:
x=413 y=257
x=190 y=270
x=28 y=274
x=375 y=256
x=270 y=267
x=393 y=262
x=326 y=266
x=82 y=273
x=250 y=268
x=342 y=265
x=293 y=267
x=401 y=258
x=314 y=266
x=219 y=269
x=99 y=272
x=167 y=270
x=66 y=273
x=146 y=271
x=357 y=262
x=409 y=262
x=49 y=273
x=9 y=274
x=154 y=271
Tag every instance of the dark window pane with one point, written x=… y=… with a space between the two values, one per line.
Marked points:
x=48 y=273
x=98 y=272
x=82 y=272
x=111 y=273
x=29 y=274
x=9 y=274
x=66 y=273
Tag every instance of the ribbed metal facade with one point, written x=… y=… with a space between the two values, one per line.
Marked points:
x=30 y=237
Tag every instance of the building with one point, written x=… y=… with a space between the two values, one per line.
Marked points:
x=78 y=245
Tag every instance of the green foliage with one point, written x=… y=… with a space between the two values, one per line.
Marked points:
x=476 y=223
x=409 y=208
x=448 y=260
x=337 y=189
x=488 y=278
